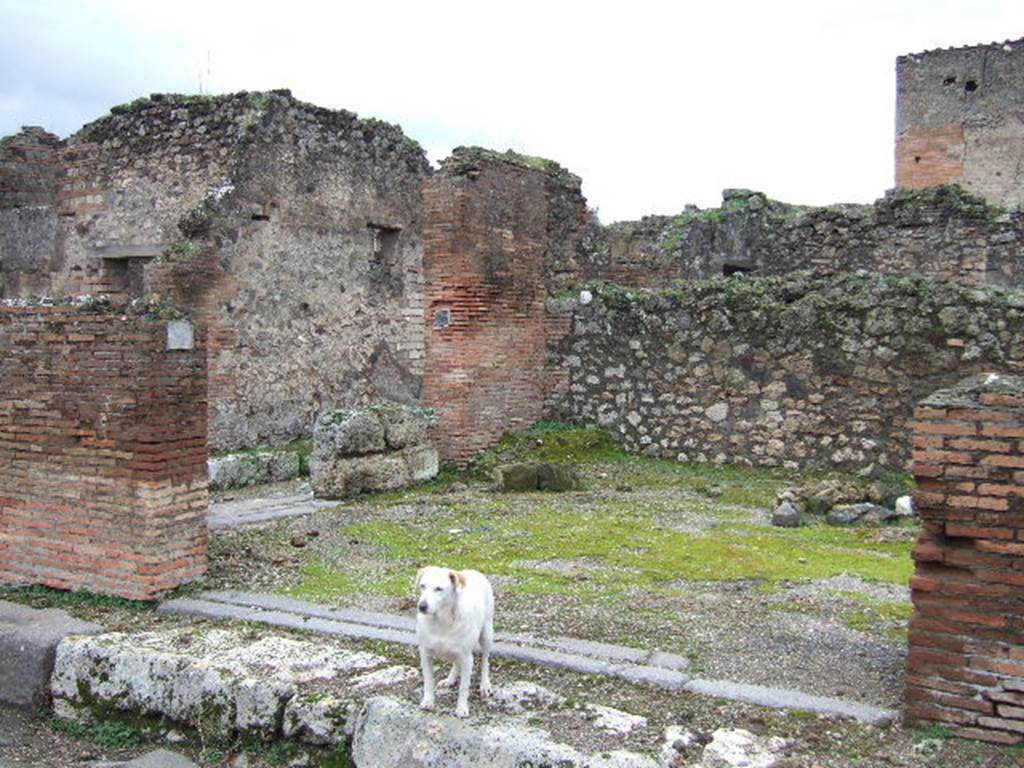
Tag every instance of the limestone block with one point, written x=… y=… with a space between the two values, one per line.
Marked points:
x=348 y=432
x=351 y=475
x=513 y=478
x=395 y=734
x=422 y=462
x=28 y=647
x=405 y=425
x=376 y=448
x=218 y=679
x=557 y=477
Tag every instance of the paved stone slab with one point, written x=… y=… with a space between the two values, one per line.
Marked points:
x=291 y=605
x=666 y=678
x=227 y=514
x=158 y=758
x=565 y=645
x=663 y=670
x=28 y=646
x=780 y=698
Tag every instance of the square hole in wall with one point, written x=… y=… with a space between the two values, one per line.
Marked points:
x=442 y=318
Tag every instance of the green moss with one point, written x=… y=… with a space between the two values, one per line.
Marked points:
x=115 y=735
x=38 y=596
x=180 y=250
x=629 y=546
x=547 y=441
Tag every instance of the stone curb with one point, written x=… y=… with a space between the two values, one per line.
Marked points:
x=634 y=665
x=562 y=644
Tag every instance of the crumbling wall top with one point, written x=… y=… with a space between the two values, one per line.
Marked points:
x=150 y=124
x=468 y=161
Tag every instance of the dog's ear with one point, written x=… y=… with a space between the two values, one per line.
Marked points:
x=457 y=579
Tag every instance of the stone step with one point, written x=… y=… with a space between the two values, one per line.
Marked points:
x=663 y=670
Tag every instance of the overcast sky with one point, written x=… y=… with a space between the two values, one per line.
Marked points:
x=654 y=104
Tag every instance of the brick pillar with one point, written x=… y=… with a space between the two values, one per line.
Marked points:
x=102 y=451
x=965 y=667
x=485 y=338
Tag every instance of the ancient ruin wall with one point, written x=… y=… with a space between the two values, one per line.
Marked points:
x=498 y=230
x=102 y=450
x=965 y=666
x=940 y=233
x=796 y=371
x=959 y=120
x=29 y=174
x=291 y=232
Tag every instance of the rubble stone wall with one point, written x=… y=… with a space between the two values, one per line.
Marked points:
x=808 y=371
x=102 y=450
x=965 y=666
x=292 y=233
x=939 y=232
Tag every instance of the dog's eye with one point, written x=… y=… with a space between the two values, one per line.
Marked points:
x=439 y=589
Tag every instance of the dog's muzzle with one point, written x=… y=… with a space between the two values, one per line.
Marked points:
x=423 y=607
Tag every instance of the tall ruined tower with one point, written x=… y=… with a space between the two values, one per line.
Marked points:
x=960 y=119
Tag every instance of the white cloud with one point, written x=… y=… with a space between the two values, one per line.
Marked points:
x=654 y=104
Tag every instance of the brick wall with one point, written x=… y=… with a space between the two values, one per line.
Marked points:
x=965 y=668
x=484 y=237
x=29 y=168
x=102 y=452
x=930 y=157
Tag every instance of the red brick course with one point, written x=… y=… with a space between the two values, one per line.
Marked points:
x=965 y=666
x=102 y=452
x=485 y=244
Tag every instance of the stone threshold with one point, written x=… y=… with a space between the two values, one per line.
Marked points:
x=663 y=670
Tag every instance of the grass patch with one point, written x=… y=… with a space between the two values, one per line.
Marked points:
x=871 y=615
x=38 y=596
x=624 y=545
x=111 y=734
x=605 y=465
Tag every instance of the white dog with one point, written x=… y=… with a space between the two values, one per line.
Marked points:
x=456 y=614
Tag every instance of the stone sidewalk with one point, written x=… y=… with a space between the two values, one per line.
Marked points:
x=664 y=670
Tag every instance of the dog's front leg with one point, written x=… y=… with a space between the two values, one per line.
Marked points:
x=465 y=663
x=427 y=667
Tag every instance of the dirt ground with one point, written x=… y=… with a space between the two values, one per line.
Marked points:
x=647 y=554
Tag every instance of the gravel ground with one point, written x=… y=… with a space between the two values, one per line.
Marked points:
x=795 y=634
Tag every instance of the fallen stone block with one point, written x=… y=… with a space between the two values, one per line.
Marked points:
x=238 y=470
x=737 y=748
x=859 y=514
x=28 y=647
x=525 y=477
x=379 y=447
x=516 y=478
x=557 y=477
x=395 y=734
x=216 y=681
x=786 y=516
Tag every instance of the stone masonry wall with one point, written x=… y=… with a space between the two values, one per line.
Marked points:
x=959 y=120
x=797 y=371
x=29 y=173
x=290 y=232
x=498 y=230
x=102 y=451
x=965 y=667
x=941 y=233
